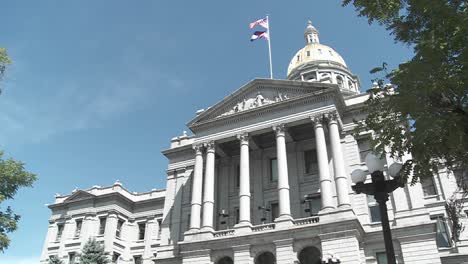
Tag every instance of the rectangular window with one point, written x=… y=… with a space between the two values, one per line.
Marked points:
x=461 y=176
x=137 y=260
x=314 y=204
x=71 y=258
x=428 y=186
x=236 y=215
x=188 y=221
x=78 y=224
x=141 y=231
x=274 y=211
x=364 y=146
x=118 y=232
x=59 y=231
x=308 y=53
x=374 y=212
x=238 y=176
x=310 y=161
x=159 y=228
x=442 y=232
x=115 y=258
x=273 y=170
x=381 y=257
x=102 y=225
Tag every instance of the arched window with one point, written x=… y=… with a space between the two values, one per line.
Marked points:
x=310 y=255
x=225 y=260
x=350 y=85
x=265 y=258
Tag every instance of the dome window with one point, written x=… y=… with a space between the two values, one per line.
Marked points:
x=320 y=51
x=331 y=53
x=308 y=53
x=298 y=58
x=339 y=81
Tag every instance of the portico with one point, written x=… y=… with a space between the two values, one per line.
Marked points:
x=278 y=140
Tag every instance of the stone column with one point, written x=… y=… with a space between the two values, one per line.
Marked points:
x=283 y=181
x=322 y=160
x=197 y=184
x=208 y=190
x=341 y=180
x=244 y=185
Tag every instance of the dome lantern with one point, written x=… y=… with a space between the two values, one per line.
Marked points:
x=311 y=34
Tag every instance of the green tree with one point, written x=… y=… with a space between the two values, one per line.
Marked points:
x=428 y=93
x=55 y=260
x=12 y=177
x=93 y=253
x=4 y=62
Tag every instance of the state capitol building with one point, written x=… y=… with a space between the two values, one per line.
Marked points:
x=264 y=179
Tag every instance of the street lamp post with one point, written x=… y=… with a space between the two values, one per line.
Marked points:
x=379 y=188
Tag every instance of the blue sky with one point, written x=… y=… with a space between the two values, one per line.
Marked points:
x=98 y=88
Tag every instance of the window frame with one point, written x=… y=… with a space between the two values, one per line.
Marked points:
x=276 y=203
x=60 y=228
x=118 y=230
x=273 y=171
x=102 y=225
x=78 y=227
x=373 y=204
x=424 y=185
x=141 y=230
x=378 y=259
x=315 y=169
x=441 y=219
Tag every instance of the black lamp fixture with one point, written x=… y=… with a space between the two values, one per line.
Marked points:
x=379 y=188
x=331 y=259
x=308 y=198
x=224 y=214
x=264 y=209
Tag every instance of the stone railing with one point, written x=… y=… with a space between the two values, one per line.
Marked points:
x=224 y=233
x=264 y=227
x=306 y=221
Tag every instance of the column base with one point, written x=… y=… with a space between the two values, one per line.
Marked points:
x=284 y=221
x=243 y=228
x=206 y=232
x=335 y=215
x=191 y=234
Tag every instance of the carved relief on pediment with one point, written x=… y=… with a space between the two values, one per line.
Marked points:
x=254 y=102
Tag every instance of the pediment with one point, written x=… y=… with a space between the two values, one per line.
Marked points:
x=79 y=195
x=257 y=94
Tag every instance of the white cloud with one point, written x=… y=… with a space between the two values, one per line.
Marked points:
x=19 y=259
x=74 y=107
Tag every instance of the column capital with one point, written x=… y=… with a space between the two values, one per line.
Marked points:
x=198 y=149
x=317 y=120
x=280 y=130
x=210 y=146
x=243 y=138
x=331 y=117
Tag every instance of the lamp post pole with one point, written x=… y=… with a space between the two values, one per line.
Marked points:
x=380 y=188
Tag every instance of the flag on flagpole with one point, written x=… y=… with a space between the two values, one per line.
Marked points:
x=259 y=34
x=262 y=22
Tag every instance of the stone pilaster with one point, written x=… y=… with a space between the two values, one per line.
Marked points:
x=284 y=251
x=242 y=254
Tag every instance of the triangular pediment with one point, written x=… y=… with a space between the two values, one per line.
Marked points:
x=79 y=195
x=258 y=94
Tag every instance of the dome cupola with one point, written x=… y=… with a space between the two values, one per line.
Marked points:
x=316 y=62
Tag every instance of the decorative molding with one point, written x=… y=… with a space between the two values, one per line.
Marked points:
x=258 y=101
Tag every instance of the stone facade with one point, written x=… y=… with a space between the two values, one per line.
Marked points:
x=265 y=179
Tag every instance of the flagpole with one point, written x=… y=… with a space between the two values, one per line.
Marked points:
x=269 y=47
